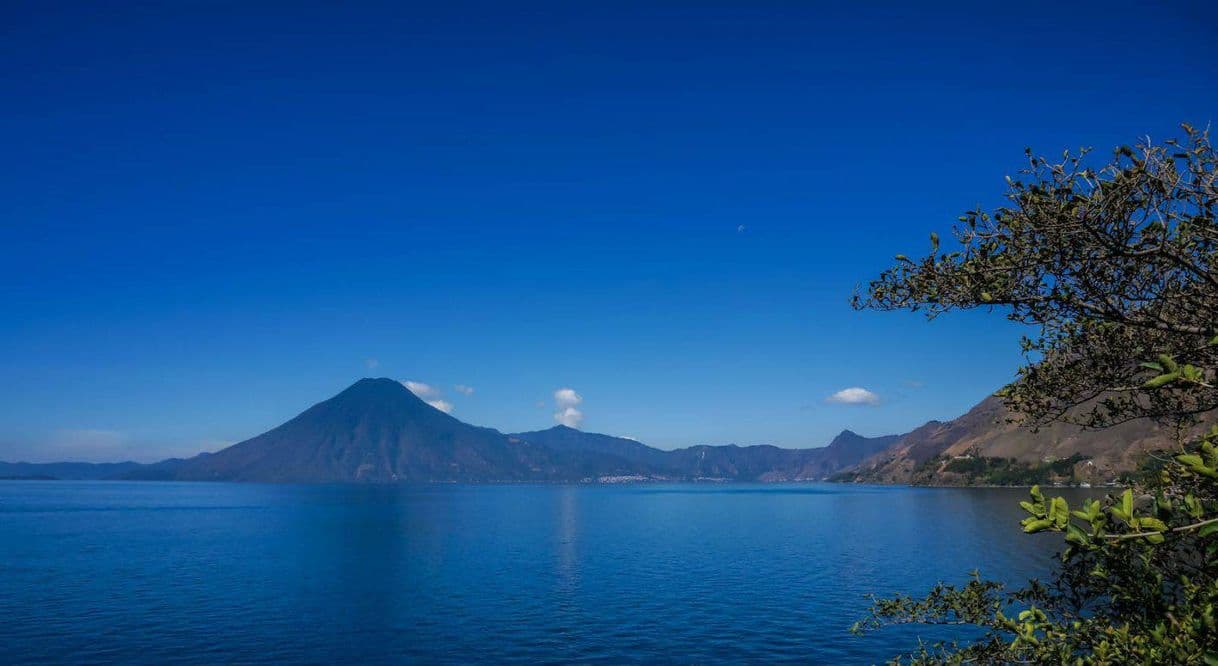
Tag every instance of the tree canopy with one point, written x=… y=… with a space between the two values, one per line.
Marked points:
x=1111 y=264
x=1115 y=268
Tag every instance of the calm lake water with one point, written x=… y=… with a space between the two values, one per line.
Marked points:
x=202 y=572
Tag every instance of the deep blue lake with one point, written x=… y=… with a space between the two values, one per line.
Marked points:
x=211 y=572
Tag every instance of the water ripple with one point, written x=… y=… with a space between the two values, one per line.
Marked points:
x=207 y=573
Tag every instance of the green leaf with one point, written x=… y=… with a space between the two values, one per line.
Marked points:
x=1075 y=535
x=1059 y=512
x=1152 y=524
x=1124 y=510
x=1032 y=526
x=1197 y=464
x=1036 y=494
x=1193 y=506
x=1208 y=530
x=1162 y=380
x=1190 y=460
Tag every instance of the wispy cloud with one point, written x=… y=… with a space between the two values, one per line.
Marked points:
x=430 y=394
x=442 y=405
x=567 y=401
x=372 y=363
x=854 y=395
x=422 y=390
x=464 y=389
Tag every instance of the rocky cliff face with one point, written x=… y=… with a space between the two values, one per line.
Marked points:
x=926 y=454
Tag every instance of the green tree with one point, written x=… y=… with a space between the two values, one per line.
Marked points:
x=1114 y=269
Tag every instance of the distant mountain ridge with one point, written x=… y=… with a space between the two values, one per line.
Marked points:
x=378 y=431
x=730 y=462
x=72 y=471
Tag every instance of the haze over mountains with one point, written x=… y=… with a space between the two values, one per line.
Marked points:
x=377 y=430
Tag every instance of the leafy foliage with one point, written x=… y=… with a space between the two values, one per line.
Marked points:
x=1115 y=267
x=1110 y=264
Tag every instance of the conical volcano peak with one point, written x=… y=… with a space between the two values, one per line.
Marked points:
x=376 y=392
x=377 y=384
x=376 y=429
x=382 y=381
x=386 y=396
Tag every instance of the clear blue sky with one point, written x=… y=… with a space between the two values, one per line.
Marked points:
x=213 y=214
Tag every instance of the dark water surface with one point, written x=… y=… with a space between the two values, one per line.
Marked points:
x=211 y=572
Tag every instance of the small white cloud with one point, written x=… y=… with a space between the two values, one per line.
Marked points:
x=567 y=397
x=854 y=396
x=569 y=416
x=741 y=229
x=372 y=363
x=442 y=405
x=463 y=389
x=567 y=400
x=422 y=390
x=430 y=394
